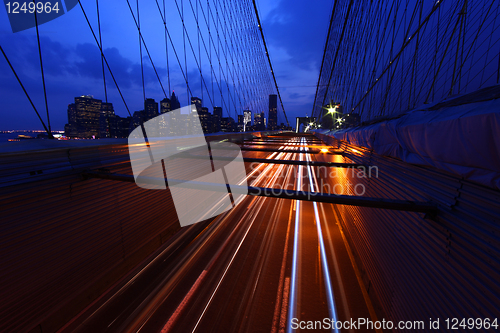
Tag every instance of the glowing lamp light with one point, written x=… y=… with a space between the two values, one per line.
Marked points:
x=324 y=150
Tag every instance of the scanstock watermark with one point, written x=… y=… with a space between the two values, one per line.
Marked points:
x=30 y=13
x=367 y=324
x=355 y=324
x=171 y=151
x=206 y=179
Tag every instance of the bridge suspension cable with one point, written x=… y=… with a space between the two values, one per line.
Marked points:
x=269 y=59
x=383 y=58
x=215 y=45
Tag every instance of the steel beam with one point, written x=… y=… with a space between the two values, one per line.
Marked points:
x=267 y=144
x=275 y=161
x=285 y=141
x=311 y=151
x=401 y=205
x=270 y=161
x=294 y=162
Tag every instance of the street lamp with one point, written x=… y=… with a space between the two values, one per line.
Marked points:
x=331 y=109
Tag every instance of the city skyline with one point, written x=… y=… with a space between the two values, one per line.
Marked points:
x=73 y=62
x=91 y=118
x=378 y=212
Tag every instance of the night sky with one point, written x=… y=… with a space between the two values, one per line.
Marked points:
x=295 y=32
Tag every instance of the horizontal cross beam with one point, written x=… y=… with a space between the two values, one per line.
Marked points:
x=294 y=162
x=267 y=144
x=401 y=205
x=285 y=141
x=268 y=160
x=311 y=151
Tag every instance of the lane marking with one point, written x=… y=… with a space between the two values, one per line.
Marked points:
x=334 y=255
x=326 y=271
x=282 y=277
x=347 y=312
x=219 y=219
x=285 y=305
x=266 y=170
x=224 y=274
x=293 y=284
x=181 y=306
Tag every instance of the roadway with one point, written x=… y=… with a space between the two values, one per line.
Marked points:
x=251 y=269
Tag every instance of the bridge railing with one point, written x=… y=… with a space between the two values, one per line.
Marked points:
x=417 y=266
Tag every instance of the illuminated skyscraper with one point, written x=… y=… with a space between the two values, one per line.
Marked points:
x=163 y=125
x=174 y=102
x=206 y=120
x=70 y=127
x=240 y=125
x=150 y=108
x=247 y=119
x=165 y=105
x=216 y=119
x=194 y=116
x=197 y=102
x=259 y=121
x=107 y=109
x=83 y=117
x=227 y=124
x=105 y=120
x=273 y=113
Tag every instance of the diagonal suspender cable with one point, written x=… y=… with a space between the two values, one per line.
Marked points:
x=138 y=23
x=269 y=59
x=102 y=55
x=141 y=38
x=324 y=55
x=105 y=60
x=164 y=20
x=239 y=69
x=43 y=75
x=166 y=43
x=338 y=49
x=405 y=44
x=25 y=92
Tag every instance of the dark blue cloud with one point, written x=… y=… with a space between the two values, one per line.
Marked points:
x=300 y=28
x=296 y=33
x=69 y=72
x=72 y=63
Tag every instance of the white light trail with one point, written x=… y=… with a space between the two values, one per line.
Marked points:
x=293 y=284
